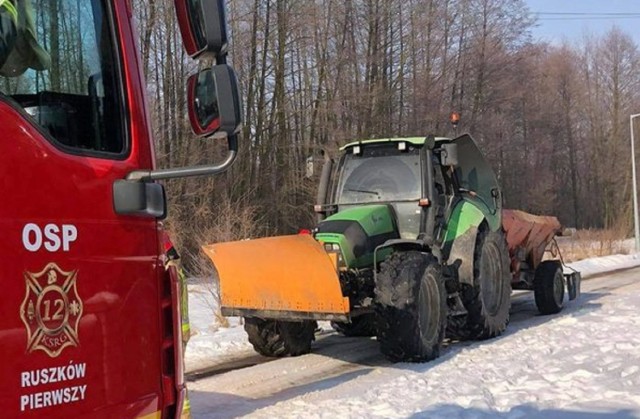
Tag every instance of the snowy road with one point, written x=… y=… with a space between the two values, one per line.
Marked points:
x=583 y=362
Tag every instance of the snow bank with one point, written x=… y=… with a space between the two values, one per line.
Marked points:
x=597 y=266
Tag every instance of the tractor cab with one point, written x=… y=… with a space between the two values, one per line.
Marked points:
x=418 y=179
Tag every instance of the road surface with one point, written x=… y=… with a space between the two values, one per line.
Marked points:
x=583 y=362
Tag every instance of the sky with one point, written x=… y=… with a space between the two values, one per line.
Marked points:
x=587 y=18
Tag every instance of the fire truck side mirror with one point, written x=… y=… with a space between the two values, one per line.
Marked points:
x=139 y=199
x=203 y=26
x=214 y=102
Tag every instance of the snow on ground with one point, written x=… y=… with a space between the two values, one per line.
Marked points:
x=211 y=342
x=584 y=362
x=596 y=266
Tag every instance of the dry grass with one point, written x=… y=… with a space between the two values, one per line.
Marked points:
x=227 y=221
x=584 y=244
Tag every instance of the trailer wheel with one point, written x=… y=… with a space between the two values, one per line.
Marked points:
x=411 y=307
x=488 y=301
x=548 y=287
x=279 y=338
x=363 y=325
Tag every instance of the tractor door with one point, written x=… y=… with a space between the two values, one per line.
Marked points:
x=80 y=301
x=476 y=177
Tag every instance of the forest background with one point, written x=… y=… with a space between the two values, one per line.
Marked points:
x=553 y=119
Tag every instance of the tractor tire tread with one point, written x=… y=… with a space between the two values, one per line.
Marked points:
x=543 y=291
x=480 y=324
x=397 y=304
x=279 y=338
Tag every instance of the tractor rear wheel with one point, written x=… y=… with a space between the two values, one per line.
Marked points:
x=411 y=307
x=548 y=287
x=489 y=299
x=280 y=338
x=363 y=325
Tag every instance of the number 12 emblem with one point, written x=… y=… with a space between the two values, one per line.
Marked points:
x=51 y=310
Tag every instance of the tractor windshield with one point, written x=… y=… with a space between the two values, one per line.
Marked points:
x=58 y=62
x=384 y=174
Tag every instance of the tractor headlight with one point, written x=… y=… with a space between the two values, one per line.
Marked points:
x=332 y=247
x=335 y=248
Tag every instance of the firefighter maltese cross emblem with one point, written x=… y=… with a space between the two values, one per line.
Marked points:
x=51 y=310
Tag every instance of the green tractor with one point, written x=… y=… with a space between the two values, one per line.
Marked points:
x=416 y=223
x=409 y=247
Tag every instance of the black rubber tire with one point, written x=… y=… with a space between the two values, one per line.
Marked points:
x=361 y=326
x=280 y=338
x=488 y=301
x=548 y=287
x=411 y=307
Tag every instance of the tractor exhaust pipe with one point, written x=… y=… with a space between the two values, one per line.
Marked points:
x=323 y=189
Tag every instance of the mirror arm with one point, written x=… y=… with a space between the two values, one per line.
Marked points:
x=151 y=175
x=221 y=58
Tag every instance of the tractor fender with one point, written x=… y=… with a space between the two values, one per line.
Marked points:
x=460 y=240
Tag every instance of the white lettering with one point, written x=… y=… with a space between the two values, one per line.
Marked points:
x=53 y=374
x=83 y=389
x=46 y=399
x=25 y=379
x=80 y=369
x=53 y=397
x=56 y=395
x=24 y=400
x=37 y=401
x=69 y=234
x=71 y=372
x=53 y=237
x=51 y=232
x=61 y=374
x=27 y=231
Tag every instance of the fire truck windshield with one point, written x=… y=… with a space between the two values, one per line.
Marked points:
x=58 y=63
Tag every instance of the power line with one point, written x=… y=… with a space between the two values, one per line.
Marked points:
x=561 y=16
x=590 y=18
x=595 y=14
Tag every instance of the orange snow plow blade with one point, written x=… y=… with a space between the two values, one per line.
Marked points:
x=287 y=277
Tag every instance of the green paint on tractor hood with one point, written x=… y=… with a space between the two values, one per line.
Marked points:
x=358 y=231
x=374 y=219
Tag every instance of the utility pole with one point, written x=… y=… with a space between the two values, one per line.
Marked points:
x=635 y=184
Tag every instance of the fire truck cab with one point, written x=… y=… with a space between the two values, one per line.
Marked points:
x=89 y=316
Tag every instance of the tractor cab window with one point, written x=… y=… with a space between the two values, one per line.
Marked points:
x=383 y=174
x=380 y=173
x=58 y=63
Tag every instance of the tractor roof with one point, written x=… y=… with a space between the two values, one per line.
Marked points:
x=413 y=140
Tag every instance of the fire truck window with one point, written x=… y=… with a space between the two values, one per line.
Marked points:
x=62 y=70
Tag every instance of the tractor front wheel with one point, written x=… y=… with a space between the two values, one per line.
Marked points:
x=411 y=307
x=489 y=299
x=280 y=338
x=548 y=287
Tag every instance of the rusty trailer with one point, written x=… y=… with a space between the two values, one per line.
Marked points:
x=536 y=262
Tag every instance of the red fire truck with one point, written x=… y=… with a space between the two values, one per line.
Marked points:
x=89 y=316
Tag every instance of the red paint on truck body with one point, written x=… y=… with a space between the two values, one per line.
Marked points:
x=122 y=359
